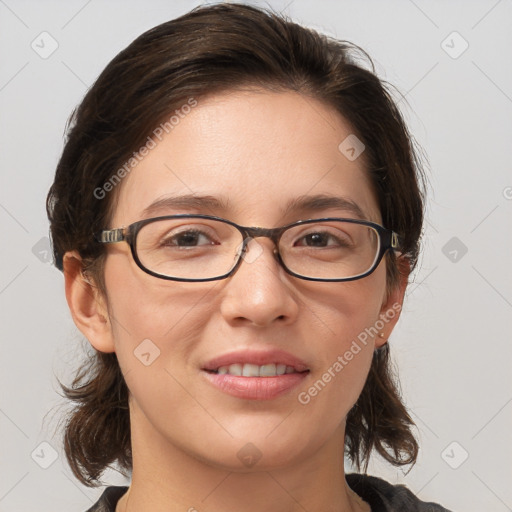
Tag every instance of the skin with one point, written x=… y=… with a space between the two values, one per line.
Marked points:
x=259 y=149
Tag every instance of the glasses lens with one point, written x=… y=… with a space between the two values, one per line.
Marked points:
x=330 y=249
x=188 y=248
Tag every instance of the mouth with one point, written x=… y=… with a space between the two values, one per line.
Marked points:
x=254 y=370
x=255 y=375
x=255 y=363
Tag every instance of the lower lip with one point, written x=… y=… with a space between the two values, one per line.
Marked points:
x=255 y=388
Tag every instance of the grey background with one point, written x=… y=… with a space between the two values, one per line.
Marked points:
x=453 y=344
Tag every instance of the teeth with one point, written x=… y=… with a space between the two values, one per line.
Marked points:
x=234 y=369
x=250 y=370
x=253 y=370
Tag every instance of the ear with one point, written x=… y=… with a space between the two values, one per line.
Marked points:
x=86 y=304
x=393 y=302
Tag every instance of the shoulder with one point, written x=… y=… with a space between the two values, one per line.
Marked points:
x=385 y=497
x=108 y=500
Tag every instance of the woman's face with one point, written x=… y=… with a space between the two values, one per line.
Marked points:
x=255 y=152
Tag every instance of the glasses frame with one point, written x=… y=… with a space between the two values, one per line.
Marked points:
x=389 y=240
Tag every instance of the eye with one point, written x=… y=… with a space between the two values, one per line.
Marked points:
x=324 y=239
x=187 y=238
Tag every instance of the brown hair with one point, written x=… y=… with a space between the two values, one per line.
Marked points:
x=212 y=49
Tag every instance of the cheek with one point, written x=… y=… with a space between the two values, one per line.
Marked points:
x=344 y=377
x=344 y=362
x=349 y=311
x=344 y=354
x=151 y=313
x=343 y=330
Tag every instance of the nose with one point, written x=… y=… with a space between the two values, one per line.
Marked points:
x=259 y=292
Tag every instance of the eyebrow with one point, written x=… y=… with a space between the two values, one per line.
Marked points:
x=320 y=202
x=302 y=204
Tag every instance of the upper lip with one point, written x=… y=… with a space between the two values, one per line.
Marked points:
x=258 y=357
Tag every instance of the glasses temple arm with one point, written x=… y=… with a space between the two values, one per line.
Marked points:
x=109 y=236
x=396 y=242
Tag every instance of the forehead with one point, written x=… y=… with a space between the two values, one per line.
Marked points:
x=258 y=154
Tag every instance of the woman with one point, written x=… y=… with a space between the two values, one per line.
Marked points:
x=236 y=212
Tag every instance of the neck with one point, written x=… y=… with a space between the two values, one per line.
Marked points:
x=168 y=478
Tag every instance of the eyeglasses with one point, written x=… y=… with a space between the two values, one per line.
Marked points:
x=207 y=248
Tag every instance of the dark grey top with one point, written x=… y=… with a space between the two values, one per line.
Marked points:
x=379 y=494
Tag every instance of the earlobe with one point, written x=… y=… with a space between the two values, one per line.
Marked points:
x=392 y=305
x=87 y=304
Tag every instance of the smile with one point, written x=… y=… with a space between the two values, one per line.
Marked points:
x=254 y=370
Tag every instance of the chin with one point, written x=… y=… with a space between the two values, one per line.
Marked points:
x=253 y=450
